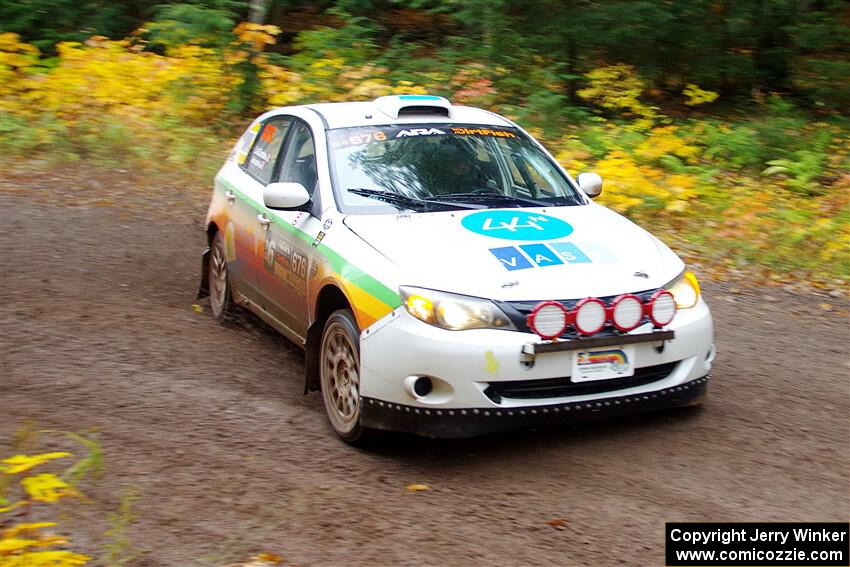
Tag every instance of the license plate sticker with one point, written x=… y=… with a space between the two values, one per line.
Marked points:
x=603 y=364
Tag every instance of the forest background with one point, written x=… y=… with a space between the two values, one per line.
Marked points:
x=720 y=125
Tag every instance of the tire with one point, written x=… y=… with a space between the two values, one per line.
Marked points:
x=221 y=301
x=339 y=375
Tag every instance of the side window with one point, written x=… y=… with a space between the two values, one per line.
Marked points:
x=299 y=160
x=261 y=160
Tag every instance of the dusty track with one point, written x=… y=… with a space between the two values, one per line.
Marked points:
x=209 y=425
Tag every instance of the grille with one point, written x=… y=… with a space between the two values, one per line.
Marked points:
x=518 y=311
x=563 y=387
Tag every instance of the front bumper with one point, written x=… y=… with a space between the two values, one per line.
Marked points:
x=450 y=423
x=480 y=376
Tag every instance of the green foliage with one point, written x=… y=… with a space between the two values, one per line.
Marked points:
x=47 y=22
x=201 y=22
x=118 y=549
x=91 y=464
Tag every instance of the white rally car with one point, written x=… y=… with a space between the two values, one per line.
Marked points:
x=445 y=275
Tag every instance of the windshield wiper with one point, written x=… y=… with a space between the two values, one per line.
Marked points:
x=499 y=197
x=409 y=202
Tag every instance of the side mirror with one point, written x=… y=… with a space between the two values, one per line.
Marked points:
x=590 y=183
x=285 y=195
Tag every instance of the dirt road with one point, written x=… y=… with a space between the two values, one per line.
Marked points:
x=208 y=424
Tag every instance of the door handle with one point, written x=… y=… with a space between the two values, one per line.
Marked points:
x=230 y=195
x=264 y=220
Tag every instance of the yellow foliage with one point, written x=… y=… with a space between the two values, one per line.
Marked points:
x=257 y=35
x=663 y=141
x=21 y=463
x=618 y=88
x=109 y=78
x=329 y=80
x=46 y=559
x=17 y=59
x=13 y=506
x=17 y=54
x=46 y=487
x=19 y=529
x=696 y=96
x=19 y=543
x=630 y=186
x=10 y=544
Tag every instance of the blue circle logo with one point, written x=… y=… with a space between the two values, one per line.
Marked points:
x=516 y=225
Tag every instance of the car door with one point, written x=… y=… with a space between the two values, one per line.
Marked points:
x=257 y=171
x=288 y=243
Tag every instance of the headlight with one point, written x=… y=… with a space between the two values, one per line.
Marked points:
x=453 y=312
x=685 y=290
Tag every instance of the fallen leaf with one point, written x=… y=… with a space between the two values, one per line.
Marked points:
x=417 y=487
x=558 y=523
x=272 y=558
x=197 y=308
x=826 y=306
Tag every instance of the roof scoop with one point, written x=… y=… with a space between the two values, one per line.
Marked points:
x=413 y=105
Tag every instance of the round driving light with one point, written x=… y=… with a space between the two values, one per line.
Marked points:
x=661 y=307
x=589 y=316
x=548 y=319
x=626 y=312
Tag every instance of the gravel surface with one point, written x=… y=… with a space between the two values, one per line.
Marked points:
x=208 y=425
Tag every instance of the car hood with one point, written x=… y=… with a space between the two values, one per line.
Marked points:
x=521 y=254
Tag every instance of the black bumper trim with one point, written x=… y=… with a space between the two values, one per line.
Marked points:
x=470 y=422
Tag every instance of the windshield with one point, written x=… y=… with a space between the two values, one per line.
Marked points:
x=438 y=167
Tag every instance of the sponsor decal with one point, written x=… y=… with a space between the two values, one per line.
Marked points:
x=511 y=258
x=483 y=132
x=298 y=265
x=276 y=254
x=262 y=154
x=268 y=133
x=245 y=143
x=318 y=239
x=360 y=136
x=539 y=255
x=516 y=225
x=364 y=137
x=420 y=132
x=570 y=253
x=328 y=224
x=285 y=263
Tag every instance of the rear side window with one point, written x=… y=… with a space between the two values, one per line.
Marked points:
x=261 y=161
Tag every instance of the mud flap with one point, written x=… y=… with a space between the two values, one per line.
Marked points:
x=311 y=358
x=204 y=287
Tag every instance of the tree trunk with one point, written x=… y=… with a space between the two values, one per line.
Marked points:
x=257 y=11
